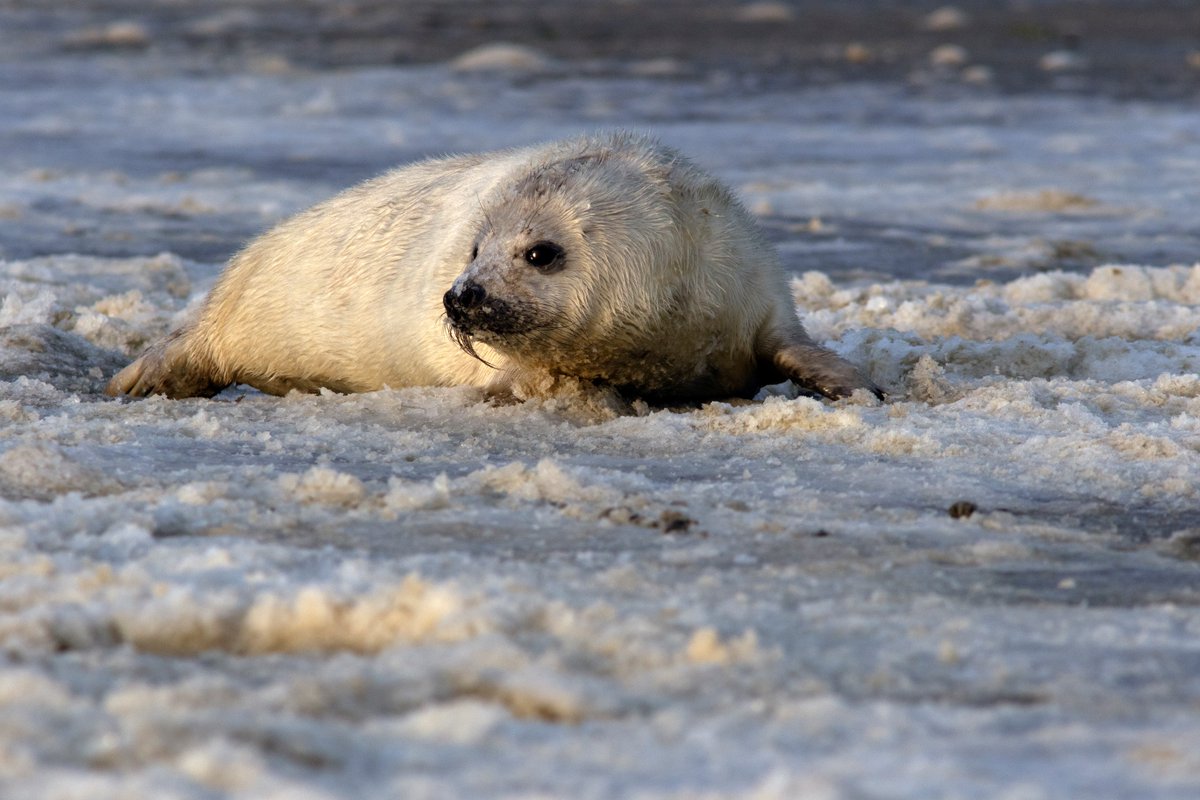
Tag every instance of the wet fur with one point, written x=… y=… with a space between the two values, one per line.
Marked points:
x=668 y=291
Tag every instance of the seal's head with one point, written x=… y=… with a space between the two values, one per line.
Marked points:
x=493 y=307
x=579 y=264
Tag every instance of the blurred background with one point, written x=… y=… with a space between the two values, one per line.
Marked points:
x=1125 y=47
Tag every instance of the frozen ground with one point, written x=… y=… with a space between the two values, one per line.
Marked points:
x=416 y=593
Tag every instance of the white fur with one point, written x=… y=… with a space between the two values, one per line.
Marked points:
x=669 y=290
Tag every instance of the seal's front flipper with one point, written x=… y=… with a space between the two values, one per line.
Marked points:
x=167 y=368
x=818 y=369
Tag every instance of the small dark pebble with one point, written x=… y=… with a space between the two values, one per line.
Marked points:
x=674 y=522
x=961 y=509
x=820 y=533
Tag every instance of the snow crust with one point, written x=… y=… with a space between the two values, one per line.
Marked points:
x=414 y=592
x=417 y=593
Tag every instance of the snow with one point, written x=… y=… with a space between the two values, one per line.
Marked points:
x=418 y=593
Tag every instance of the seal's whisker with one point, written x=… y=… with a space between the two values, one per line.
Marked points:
x=483 y=210
x=465 y=342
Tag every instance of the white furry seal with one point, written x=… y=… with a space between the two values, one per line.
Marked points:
x=610 y=259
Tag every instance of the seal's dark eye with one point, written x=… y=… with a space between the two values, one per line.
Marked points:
x=475 y=252
x=545 y=256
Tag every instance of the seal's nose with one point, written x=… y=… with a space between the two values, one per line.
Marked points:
x=472 y=295
x=464 y=298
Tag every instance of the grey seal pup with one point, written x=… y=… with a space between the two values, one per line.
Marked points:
x=610 y=259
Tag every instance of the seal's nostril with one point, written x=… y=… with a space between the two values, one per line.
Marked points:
x=467 y=297
x=472 y=295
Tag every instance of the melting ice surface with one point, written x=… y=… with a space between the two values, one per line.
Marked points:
x=415 y=593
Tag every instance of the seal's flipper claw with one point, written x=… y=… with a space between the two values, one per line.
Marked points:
x=821 y=370
x=168 y=369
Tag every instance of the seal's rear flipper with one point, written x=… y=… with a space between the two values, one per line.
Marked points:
x=821 y=370
x=167 y=368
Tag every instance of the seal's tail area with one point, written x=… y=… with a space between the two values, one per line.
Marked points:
x=167 y=368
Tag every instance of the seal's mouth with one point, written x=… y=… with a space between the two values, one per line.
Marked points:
x=489 y=321
x=475 y=313
x=492 y=316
